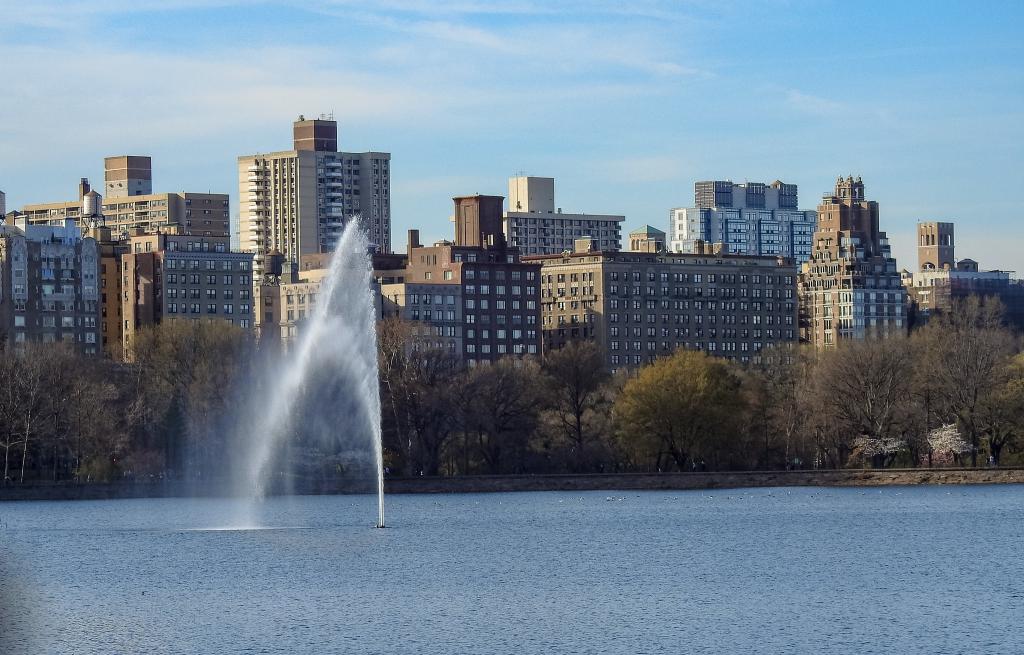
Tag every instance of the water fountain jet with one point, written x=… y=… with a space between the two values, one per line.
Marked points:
x=340 y=338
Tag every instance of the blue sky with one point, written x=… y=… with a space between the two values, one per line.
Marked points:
x=626 y=104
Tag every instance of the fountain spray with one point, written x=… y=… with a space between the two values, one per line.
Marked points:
x=340 y=336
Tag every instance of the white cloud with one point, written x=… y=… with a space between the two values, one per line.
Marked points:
x=813 y=104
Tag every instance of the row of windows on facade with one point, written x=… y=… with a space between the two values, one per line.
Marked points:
x=828 y=283
x=744 y=346
x=88 y=306
x=712 y=278
x=711 y=347
x=210 y=294
x=685 y=332
x=501 y=349
x=416 y=314
x=207 y=264
x=500 y=319
x=197 y=308
x=61 y=289
x=196 y=278
x=49 y=321
x=472 y=333
x=190 y=246
x=677 y=292
x=699 y=305
x=850 y=323
x=67 y=337
x=515 y=226
x=677 y=319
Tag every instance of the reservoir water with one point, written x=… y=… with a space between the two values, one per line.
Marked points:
x=791 y=570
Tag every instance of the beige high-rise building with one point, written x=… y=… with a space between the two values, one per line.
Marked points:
x=535 y=226
x=850 y=288
x=297 y=202
x=131 y=204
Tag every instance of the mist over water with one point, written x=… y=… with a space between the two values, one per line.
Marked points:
x=318 y=407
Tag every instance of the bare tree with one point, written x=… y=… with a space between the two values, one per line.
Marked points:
x=778 y=391
x=577 y=406
x=501 y=407
x=965 y=350
x=864 y=387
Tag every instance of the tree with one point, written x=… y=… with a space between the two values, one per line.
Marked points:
x=29 y=386
x=777 y=390
x=680 y=407
x=965 y=350
x=1001 y=414
x=419 y=391
x=865 y=385
x=500 y=408
x=185 y=375
x=945 y=441
x=575 y=379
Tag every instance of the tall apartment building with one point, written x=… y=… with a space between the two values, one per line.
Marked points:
x=850 y=288
x=3 y=205
x=534 y=225
x=941 y=280
x=297 y=202
x=131 y=204
x=751 y=219
x=49 y=285
x=638 y=306
x=473 y=297
x=183 y=277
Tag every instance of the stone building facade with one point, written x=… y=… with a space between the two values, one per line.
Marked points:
x=49 y=286
x=183 y=277
x=850 y=288
x=638 y=306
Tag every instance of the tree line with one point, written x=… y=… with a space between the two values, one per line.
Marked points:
x=952 y=393
x=66 y=416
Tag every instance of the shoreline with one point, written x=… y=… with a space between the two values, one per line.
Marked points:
x=64 y=491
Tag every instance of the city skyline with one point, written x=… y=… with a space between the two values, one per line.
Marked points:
x=625 y=119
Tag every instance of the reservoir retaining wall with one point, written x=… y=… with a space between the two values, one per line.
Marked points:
x=560 y=482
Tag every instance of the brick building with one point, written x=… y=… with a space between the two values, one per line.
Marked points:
x=183 y=277
x=473 y=297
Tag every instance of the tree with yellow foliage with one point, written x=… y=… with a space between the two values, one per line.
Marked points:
x=680 y=409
